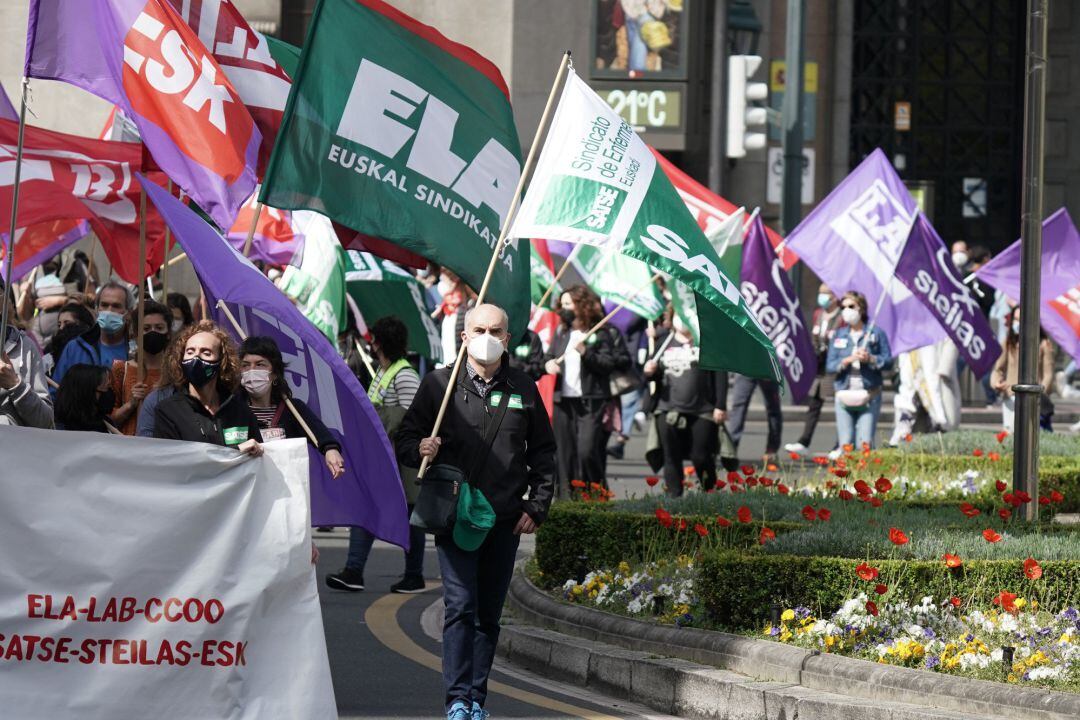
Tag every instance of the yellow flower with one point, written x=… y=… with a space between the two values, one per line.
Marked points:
x=578 y=590
x=624 y=567
x=830 y=640
x=1020 y=602
x=788 y=615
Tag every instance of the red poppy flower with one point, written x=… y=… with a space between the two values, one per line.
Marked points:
x=862 y=488
x=1043 y=500
x=689 y=471
x=771 y=467
x=723 y=521
x=845 y=495
x=751 y=481
x=1002 y=435
x=721 y=484
x=701 y=529
x=1056 y=497
x=1000 y=485
x=663 y=517
x=767 y=481
x=1004 y=513
x=794 y=456
x=747 y=470
x=735 y=488
x=954 y=601
x=876 y=461
x=841 y=472
x=991 y=535
x=866 y=572
x=871 y=607
x=1006 y=601
x=782 y=489
x=861 y=465
x=969 y=510
x=994 y=456
x=809 y=513
x=652 y=480
x=766 y=535
x=883 y=485
x=1022 y=497
x=977 y=452
x=952 y=561
x=586 y=497
x=734 y=477
x=578 y=484
x=744 y=515
x=897 y=536
x=881 y=589
x=848 y=447
x=683 y=524
x=1008 y=499
x=1032 y=569
x=819 y=460
x=909 y=437
x=823 y=514
x=596 y=486
x=876 y=502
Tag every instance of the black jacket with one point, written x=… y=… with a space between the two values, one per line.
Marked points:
x=183 y=417
x=522 y=455
x=603 y=357
x=528 y=355
x=687 y=388
x=293 y=429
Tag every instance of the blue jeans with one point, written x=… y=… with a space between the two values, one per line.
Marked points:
x=631 y=403
x=474 y=590
x=855 y=426
x=360 y=542
x=639 y=51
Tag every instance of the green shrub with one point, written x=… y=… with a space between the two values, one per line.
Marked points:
x=965 y=442
x=737 y=589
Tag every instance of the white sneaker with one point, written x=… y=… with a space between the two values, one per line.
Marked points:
x=1075 y=427
x=796 y=447
x=836 y=454
x=640 y=420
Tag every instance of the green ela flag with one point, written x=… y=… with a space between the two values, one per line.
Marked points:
x=619 y=278
x=596 y=182
x=380 y=288
x=399 y=133
x=727 y=239
x=316 y=282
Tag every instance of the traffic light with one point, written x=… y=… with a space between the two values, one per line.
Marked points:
x=740 y=116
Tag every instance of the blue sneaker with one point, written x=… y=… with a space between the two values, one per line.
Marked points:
x=459 y=711
x=479 y=713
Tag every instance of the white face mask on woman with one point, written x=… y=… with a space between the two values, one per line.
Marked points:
x=851 y=315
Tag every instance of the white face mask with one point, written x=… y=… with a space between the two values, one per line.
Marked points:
x=176 y=326
x=445 y=286
x=960 y=259
x=485 y=349
x=851 y=315
x=256 y=382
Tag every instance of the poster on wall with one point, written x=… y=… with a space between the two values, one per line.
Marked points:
x=640 y=39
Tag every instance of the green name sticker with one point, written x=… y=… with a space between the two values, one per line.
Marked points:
x=514 y=403
x=235 y=435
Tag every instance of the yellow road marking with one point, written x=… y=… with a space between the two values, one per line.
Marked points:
x=381 y=619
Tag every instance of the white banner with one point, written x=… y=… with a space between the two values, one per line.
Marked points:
x=157 y=580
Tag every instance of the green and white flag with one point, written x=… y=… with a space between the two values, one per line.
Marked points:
x=727 y=239
x=395 y=131
x=541 y=277
x=316 y=281
x=619 y=278
x=381 y=288
x=597 y=182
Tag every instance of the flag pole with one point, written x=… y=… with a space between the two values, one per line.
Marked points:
x=140 y=353
x=27 y=284
x=251 y=230
x=288 y=401
x=558 y=276
x=9 y=257
x=626 y=301
x=365 y=358
x=526 y=172
x=165 y=261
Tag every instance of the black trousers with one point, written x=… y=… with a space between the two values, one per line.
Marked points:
x=739 y=403
x=696 y=441
x=580 y=442
x=814 y=403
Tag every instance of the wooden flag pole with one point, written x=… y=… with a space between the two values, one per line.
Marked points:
x=9 y=258
x=251 y=230
x=288 y=401
x=526 y=173
x=25 y=292
x=558 y=276
x=165 y=263
x=364 y=356
x=604 y=321
x=178 y=258
x=140 y=353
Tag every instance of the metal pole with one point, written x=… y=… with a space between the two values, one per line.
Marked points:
x=1027 y=391
x=9 y=257
x=718 y=99
x=791 y=200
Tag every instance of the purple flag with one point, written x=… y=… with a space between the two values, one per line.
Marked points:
x=370 y=493
x=7 y=110
x=42 y=241
x=1059 y=311
x=141 y=56
x=853 y=240
x=927 y=270
x=774 y=303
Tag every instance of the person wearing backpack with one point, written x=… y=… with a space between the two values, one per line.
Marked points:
x=391 y=393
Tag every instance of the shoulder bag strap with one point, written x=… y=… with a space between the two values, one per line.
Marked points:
x=489 y=436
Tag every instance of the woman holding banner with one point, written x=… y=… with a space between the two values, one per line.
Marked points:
x=858 y=354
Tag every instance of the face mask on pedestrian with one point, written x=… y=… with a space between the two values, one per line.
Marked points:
x=154 y=342
x=106 y=401
x=824 y=300
x=959 y=260
x=444 y=285
x=1016 y=327
x=199 y=372
x=567 y=316
x=176 y=326
x=851 y=315
x=256 y=381
x=110 y=322
x=485 y=349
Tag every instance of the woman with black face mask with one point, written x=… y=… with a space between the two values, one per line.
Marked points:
x=73 y=321
x=84 y=399
x=128 y=387
x=206 y=407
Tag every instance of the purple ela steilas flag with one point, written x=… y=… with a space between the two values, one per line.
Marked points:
x=141 y=56
x=774 y=303
x=370 y=493
x=853 y=240
x=1059 y=291
x=926 y=269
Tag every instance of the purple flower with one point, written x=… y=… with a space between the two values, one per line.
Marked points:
x=802 y=612
x=932 y=662
x=930 y=634
x=774 y=631
x=969 y=637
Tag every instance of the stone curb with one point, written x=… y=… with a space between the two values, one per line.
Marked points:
x=859 y=681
